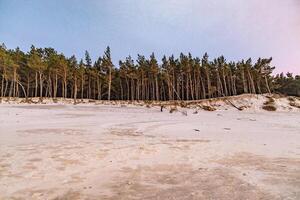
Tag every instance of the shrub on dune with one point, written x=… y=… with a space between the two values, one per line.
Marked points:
x=269 y=108
x=269 y=105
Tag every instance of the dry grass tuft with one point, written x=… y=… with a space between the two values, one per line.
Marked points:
x=243 y=107
x=291 y=99
x=294 y=104
x=148 y=102
x=269 y=101
x=208 y=108
x=26 y=101
x=278 y=96
x=269 y=107
x=183 y=104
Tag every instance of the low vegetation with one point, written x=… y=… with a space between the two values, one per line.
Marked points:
x=208 y=108
x=270 y=101
x=269 y=105
x=293 y=102
x=269 y=108
x=291 y=99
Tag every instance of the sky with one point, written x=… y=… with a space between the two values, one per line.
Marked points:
x=237 y=29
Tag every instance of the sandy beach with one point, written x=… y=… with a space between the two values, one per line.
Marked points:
x=134 y=152
x=150 y=100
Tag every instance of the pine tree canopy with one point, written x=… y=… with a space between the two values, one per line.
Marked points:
x=43 y=72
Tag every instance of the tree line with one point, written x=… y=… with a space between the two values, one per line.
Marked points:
x=43 y=72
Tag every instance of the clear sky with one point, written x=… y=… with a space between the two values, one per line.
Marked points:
x=234 y=28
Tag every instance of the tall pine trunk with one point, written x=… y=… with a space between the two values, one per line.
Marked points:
x=75 y=89
x=41 y=85
x=109 y=83
x=36 y=84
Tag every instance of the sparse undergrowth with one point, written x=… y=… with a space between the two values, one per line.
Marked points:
x=183 y=104
x=291 y=99
x=208 y=108
x=269 y=101
x=293 y=102
x=269 y=105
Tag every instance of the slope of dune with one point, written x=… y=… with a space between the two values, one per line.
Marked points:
x=245 y=102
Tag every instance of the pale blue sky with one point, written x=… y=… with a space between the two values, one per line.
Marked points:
x=235 y=28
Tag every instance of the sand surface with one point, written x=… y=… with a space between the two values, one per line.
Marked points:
x=134 y=152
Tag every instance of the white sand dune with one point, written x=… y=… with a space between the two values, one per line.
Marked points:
x=116 y=150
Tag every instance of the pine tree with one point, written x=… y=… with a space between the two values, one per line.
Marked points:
x=108 y=66
x=75 y=73
x=36 y=63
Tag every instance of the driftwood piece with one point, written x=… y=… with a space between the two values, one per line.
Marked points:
x=238 y=108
